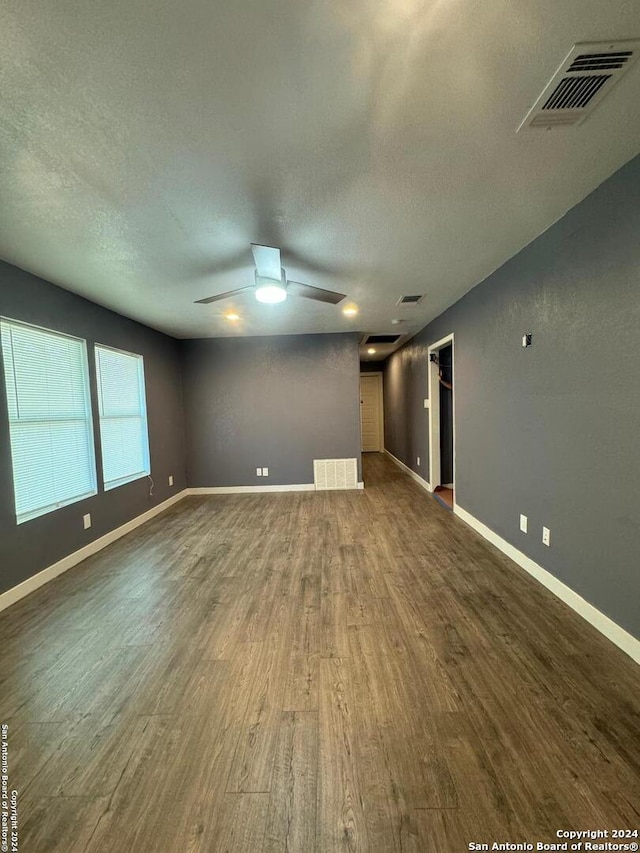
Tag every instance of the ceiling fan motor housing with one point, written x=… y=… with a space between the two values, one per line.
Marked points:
x=264 y=281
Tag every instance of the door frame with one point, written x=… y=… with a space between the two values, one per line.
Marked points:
x=379 y=374
x=434 y=412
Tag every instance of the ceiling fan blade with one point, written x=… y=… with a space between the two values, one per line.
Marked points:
x=317 y=293
x=219 y=296
x=267 y=260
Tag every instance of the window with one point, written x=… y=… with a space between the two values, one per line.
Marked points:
x=123 y=416
x=50 y=425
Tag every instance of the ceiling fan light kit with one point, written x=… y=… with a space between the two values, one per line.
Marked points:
x=270 y=292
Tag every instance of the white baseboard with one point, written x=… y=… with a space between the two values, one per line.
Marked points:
x=611 y=630
x=251 y=490
x=30 y=584
x=407 y=470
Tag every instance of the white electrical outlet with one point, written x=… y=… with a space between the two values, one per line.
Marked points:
x=171 y=479
x=523 y=523
x=86 y=520
x=418 y=461
x=265 y=472
x=258 y=472
x=425 y=403
x=546 y=536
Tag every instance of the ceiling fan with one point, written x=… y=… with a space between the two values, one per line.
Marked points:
x=271 y=284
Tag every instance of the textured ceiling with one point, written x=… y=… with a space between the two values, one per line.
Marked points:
x=144 y=145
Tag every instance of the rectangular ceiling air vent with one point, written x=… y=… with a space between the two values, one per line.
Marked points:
x=409 y=300
x=588 y=73
x=383 y=339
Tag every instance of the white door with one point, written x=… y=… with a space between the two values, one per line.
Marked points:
x=371 y=411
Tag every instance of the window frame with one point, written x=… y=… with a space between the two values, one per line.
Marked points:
x=142 y=386
x=23 y=517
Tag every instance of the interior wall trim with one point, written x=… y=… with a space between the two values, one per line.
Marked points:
x=250 y=490
x=11 y=596
x=610 y=629
x=422 y=482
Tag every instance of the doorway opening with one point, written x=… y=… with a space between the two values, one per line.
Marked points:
x=442 y=421
x=371 y=413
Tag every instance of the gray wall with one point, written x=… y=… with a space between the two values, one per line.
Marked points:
x=277 y=402
x=551 y=431
x=30 y=547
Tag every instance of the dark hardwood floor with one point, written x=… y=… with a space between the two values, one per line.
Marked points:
x=353 y=671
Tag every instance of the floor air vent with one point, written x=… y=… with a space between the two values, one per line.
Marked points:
x=587 y=74
x=335 y=474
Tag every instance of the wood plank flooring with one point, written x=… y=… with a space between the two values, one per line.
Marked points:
x=353 y=671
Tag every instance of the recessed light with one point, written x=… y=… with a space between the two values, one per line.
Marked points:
x=232 y=316
x=371 y=351
x=350 y=311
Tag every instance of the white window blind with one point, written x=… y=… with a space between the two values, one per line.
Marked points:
x=123 y=416
x=51 y=431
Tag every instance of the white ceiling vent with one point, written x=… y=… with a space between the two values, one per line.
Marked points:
x=335 y=474
x=410 y=300
x=587 y=74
